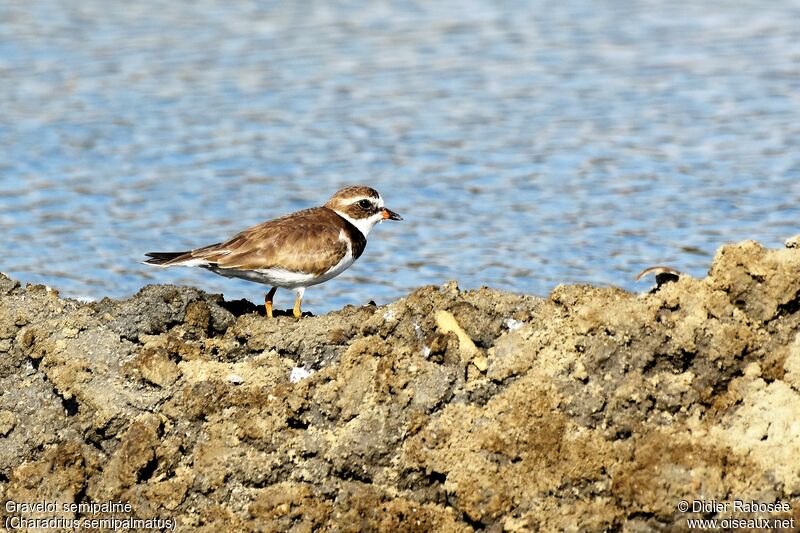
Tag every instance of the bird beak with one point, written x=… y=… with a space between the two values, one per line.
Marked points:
x=388 y=214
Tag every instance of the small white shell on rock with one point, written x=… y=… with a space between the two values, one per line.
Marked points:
x=299 y=374
x=513 y=324
x=236 y=379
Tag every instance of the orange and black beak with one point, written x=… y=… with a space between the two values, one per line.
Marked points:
x=388 y=214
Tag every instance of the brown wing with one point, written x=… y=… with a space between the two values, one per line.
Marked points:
x=307 y=241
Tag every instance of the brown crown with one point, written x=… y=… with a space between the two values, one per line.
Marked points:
x=348 y=193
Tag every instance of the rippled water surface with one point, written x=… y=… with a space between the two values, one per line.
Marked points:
x=526 y=143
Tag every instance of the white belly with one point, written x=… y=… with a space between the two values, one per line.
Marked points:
x=280 y=277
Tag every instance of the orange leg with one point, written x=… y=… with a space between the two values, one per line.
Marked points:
x=298 y=298
x=268 y=301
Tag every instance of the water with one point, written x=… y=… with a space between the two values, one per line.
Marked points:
x=526 y=144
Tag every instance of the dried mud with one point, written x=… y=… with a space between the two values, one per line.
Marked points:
x=593 y=409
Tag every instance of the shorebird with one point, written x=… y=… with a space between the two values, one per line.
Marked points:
x=294 y=251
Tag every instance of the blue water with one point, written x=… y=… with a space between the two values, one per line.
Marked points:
x=526 y=143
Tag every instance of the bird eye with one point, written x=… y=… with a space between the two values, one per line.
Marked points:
x=364 y=204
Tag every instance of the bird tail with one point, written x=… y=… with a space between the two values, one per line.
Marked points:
x=204 y=256
x=165 y=258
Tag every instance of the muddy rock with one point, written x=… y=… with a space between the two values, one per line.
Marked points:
x=448 y=410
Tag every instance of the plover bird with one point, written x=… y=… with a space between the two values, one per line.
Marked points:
x=663 y=274
x=294 y=251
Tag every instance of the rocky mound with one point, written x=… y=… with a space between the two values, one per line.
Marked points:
x=593 y=409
